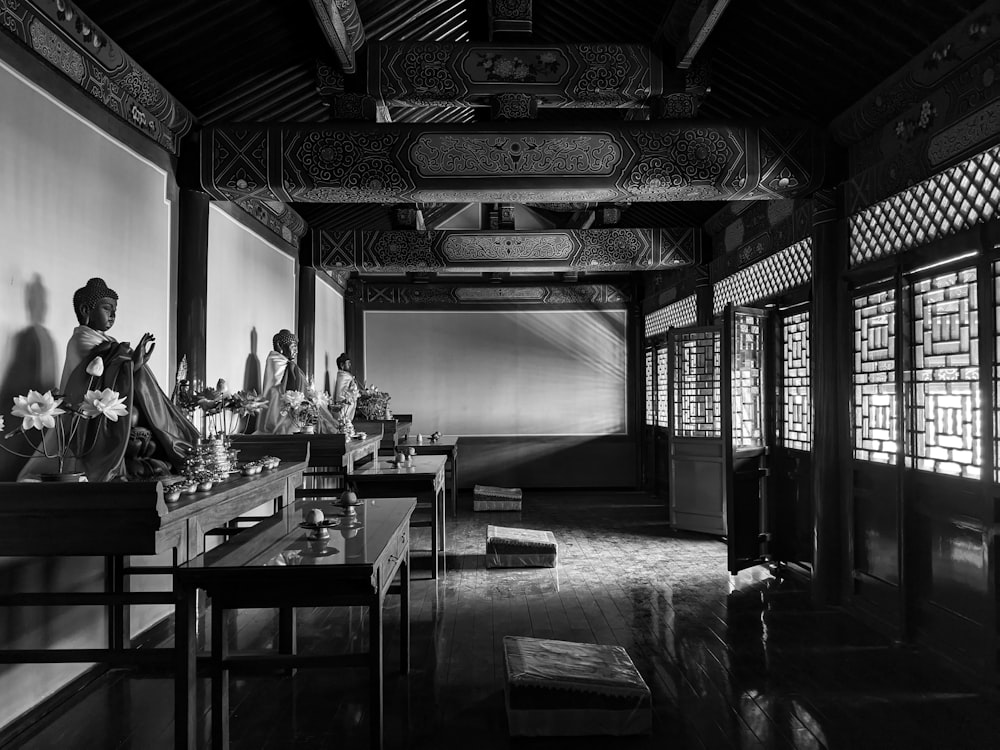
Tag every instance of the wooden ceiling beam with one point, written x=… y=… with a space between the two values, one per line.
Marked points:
x=706 y=16
x=342 y=27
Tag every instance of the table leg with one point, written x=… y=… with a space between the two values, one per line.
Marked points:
x=404 y=613
x=454 y=488
x=185 y=676
x=435 y=530
x=375 y=668
x=286 y=631
x=220 y=679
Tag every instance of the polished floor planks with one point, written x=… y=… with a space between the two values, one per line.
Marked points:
x=740 y=662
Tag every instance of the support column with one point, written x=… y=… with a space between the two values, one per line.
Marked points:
x=306 y=325
x=354 y=327
x=192 y=282
x=829 y=406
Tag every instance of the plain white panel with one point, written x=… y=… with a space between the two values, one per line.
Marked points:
x=251 y=296
x=330 y=342
x=502 y=373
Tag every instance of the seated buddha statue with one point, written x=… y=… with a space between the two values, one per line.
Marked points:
x=154 y=440
x=345 y=388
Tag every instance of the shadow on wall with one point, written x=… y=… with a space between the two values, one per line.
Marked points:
x=251 y=376
x=326 y=373
x=31 y=365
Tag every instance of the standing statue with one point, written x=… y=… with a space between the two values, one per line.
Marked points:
x=345 y=389
x=282 y=374
x=154 y=440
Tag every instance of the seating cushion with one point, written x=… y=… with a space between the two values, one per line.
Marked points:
x=561 y=688
x=520 y=548
x=486 y=498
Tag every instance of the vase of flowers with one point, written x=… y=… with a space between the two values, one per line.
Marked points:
x=223 y=413
x=373 y=404
x=59 y=424
x=303 y=407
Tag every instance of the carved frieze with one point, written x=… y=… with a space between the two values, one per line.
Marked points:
x=65 y=38
x=514 y=162
x=468 y=74
x=385 y=296
x=342 y=27
x=591 y=250
x=276 y=216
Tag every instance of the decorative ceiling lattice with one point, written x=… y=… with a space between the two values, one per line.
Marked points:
x=775 y=275
x=679 y=314
x=955 y=199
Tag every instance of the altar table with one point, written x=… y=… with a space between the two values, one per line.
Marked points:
x=423 y=477
x=446 y=445
x=276 y=564
x=115 y=520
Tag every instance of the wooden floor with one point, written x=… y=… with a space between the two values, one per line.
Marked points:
x=731 y=662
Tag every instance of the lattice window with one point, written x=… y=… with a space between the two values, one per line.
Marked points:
x=876 y=427
x=697 y=384
x=767 y=278
x=948 y=413
x=662 y=386
x=747 y=382
x=950 y=201
x=795 y=427
x=650 y=414
x=683 y=312
x=996 y=373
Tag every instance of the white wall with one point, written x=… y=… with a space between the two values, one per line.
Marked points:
x=330 y=337
x=74 y=203
x=251 y=288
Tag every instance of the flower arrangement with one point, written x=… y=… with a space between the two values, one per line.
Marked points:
x=221 y=409
x=373 y=403
x=59 y=423
x=303 y=406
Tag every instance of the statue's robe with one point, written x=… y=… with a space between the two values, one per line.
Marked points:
x=281 y=375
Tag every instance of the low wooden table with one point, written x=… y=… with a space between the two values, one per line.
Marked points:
x=446 y=445
x=276 y=564
x=115 y=520
x=424 y=477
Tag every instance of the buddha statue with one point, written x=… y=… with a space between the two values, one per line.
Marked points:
x=345 y=388
x=154 y=439
x=281 y=374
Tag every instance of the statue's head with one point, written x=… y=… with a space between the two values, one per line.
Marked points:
x=344 y=362
x=286 y=342
x=96 y=305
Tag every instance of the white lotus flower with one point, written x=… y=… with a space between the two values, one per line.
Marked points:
x=96 y=367
x=106 y=402
x=37 y=410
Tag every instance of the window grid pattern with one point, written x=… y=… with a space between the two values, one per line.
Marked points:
x=747 y=382
x=795 y=428
x=767 y=278
x=697 y=385
x=650 y=416
x=662 y=386
x=996 y=372
x=678 y=314
x=955 y=199
x=876 y=427
x=947 y=413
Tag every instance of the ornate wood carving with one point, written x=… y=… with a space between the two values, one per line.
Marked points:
x=958 y=70
x=592 y=250
x=281 y=219
x=760 y=230
x=510 y=19
x=516 y=162
x=560 y=75
x=513 y=106
x=381 y=296
x=341 y=25
x=945 y=109
x=57 y=32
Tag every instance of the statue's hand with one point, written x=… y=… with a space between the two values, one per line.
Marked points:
x=143 y=350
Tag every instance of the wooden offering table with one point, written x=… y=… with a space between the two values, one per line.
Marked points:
x=446 y=445
x=394 y=431
x=330 y=455
x=277 y=564
x=114 y=520
x=423 y=477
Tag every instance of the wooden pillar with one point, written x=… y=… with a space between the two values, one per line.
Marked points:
x=354 y=327
x=829 y=399
x=306 y=318
x=192 y=282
